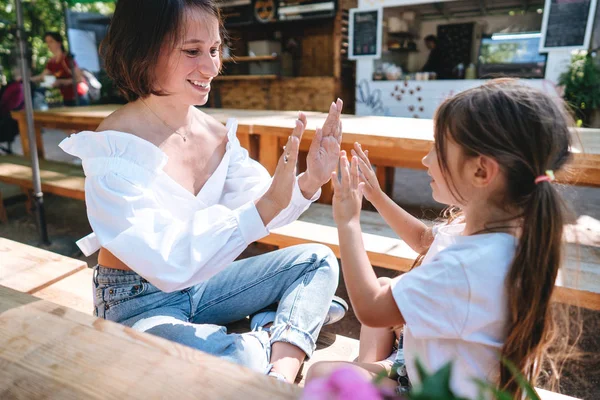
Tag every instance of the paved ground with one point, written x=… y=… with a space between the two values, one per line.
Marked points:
x=66 y=218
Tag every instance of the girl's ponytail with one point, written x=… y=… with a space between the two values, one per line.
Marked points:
x=530 y=284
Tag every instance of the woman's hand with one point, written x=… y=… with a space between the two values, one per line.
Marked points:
x=370 y=187
x=347 y=196
x=279 y=194
x=324 y=151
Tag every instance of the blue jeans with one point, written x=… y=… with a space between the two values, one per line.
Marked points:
x=301 y=279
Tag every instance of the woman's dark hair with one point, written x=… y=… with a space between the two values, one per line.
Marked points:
x=431 y=38
x=527 y=133
x=57 y=37
x=137 y=32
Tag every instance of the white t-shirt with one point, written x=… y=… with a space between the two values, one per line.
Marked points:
x=171 y=237
x=455 y=306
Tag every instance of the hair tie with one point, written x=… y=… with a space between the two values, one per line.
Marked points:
x=547 y=177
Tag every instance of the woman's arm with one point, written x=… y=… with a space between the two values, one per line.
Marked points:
x=410 y=229
x=40 y=77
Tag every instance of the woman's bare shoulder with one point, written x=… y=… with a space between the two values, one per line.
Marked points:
x=125 y=119
x=212 y=124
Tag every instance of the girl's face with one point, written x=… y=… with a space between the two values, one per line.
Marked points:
x=52 y=44
x=187 y=70
x=439 y=184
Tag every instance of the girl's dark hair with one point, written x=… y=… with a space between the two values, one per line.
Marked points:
x=527 y=133
x=57 y=37
x=138 y=30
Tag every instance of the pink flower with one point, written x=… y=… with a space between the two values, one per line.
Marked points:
x=343 y=384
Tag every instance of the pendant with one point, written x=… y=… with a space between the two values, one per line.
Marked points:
x=184 y=139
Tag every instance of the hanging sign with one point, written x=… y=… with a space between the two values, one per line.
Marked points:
x=567 y=24
x=366 y=29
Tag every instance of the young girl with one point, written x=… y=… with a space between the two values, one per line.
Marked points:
x=484 y=285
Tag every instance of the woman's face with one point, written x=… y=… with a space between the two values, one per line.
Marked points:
x=52 y=44
x=187 y=70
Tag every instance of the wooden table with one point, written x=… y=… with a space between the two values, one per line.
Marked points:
x=392 y=142
x=51 y=351
x=30 y=269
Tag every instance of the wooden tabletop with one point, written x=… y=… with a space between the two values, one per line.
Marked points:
x=51 y=351
x=392 y=141
x=30 y=269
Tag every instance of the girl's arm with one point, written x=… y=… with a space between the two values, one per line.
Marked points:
x=410 y=229
x=373 y=303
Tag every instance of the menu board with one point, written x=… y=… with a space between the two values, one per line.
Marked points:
x=365 y=33
x=567 y=24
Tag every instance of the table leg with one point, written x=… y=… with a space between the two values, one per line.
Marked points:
x=40 y=142
x=269 y=152
x=25 y=138
x=3 y=214
x=385 y=176
x=326 y=193
x=244 y=139
x=23 y=135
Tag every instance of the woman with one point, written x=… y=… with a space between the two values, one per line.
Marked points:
x=60 y=67
x=173 y=200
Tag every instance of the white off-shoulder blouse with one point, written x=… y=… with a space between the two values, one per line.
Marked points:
x=158 y=228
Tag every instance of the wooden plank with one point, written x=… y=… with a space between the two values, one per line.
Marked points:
x=58 y=178
x=316 y=225
x=578 y=282
x=236 y=59
x=269 y=153
x=29 y=269
x=393 y=142
x=51 y=351
x=245 y=77
x=330 y=347
x=75 y=291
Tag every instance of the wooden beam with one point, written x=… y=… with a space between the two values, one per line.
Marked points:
x=442 y=10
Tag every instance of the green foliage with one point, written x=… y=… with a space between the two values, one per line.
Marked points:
x=582 y=85
x=434 y=386
x=40 y=16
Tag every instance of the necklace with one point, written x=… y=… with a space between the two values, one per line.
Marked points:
x=183 y=135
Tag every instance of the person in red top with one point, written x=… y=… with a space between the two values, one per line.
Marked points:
x=60 y=66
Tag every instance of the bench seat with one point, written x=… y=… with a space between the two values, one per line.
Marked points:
x=578 y=284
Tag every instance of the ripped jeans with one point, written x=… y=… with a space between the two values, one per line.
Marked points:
x=301 y=279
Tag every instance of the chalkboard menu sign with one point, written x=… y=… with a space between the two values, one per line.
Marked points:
x=365 y=33
x=567 y=24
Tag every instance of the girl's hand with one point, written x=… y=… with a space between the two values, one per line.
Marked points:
x=279 y=194
x=347 y=196
x=370 y=184
x=324 y=151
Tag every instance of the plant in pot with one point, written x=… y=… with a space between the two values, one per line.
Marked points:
x=582 y=88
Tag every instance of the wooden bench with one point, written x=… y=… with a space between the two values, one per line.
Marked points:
x=61 y=179
x=65 y=284
x=579 y=283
